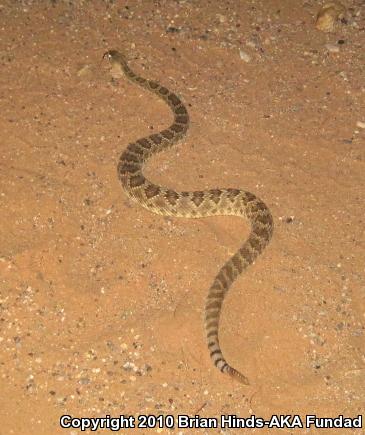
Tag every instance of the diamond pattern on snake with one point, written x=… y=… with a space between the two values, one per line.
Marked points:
x=164 y=201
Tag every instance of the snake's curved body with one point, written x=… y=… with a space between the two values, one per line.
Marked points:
x=164 y=201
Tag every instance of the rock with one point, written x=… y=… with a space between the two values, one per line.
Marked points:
x=332 y=48
x=84 y=70
x=244 y=56
x=328 y=16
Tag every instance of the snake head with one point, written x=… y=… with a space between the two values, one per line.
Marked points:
x=110 y=54
x=114 y=57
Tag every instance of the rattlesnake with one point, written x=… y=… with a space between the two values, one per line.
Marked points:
x=164 y=201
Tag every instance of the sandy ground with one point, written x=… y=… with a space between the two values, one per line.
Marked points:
x=101 y=302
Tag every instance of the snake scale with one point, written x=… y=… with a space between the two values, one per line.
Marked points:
x=164 y=201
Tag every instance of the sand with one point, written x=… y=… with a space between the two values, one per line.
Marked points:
x=101 y=302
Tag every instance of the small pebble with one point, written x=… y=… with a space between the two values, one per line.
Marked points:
x=85 y=69
x=244 y=56
x=128 y=366
x=251 y=44
x=332 y=48
x=221 y=18
x=360 y=124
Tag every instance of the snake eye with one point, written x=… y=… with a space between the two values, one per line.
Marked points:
x=107 y=55
x=111 y=54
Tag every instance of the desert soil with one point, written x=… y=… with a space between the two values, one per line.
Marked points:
x=101 y=301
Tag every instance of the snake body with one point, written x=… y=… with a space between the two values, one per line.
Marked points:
x=164 y=201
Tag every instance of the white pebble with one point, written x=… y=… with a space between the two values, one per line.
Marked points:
x=360 y=124
x=251 y=44
x=332 y=48
x=244 y=56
